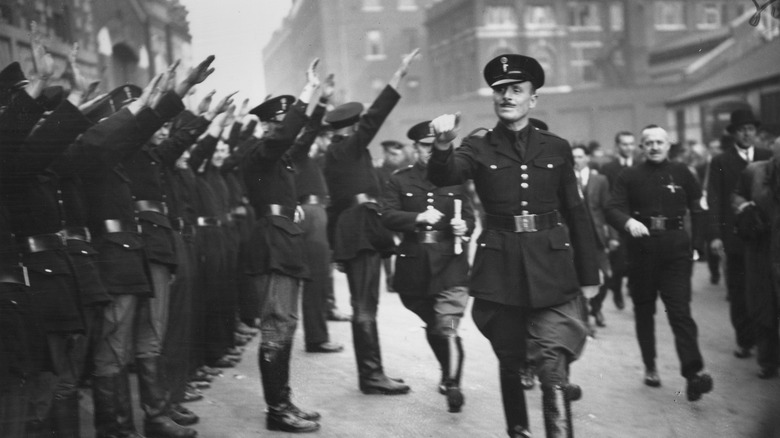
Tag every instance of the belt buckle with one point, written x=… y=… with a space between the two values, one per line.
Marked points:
x=525 y=223
x=658 y=223
x=429 y=237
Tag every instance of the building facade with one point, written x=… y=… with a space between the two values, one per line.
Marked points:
x=120 y=41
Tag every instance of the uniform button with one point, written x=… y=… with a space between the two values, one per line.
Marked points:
x=524 y=212
x=549 y=166
x=430 y=207
x=430 y=194
x=409 y=194
x=48 y=271
x=84 y=252
x=493 y=166
x=429 y=227
x=523 y=167
x=565 y=244
x=482 y=245
x=524 y=176
x=401 y=255
x=523 y=203
x=430 y=201
x=449 y=194
x=524 y=185
x=126 y=245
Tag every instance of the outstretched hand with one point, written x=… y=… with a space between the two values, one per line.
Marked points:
x=196 y=76
x=328 y=88
x=445 y=128
x=43 y=63
x=312 y=82
x=403 y=69
x=205 y=103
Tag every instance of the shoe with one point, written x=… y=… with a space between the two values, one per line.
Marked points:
x=652 y=378
x=618 y=298
x=324 y=347
x=224 y=362
x=335 y=315
x=235 y=351
x=210 y=371
x=244 y=329
x=455 y=399
x=527 y=378
x=191 y=394
x=165 y=427
x=767 y=373
x=699 y=384
x=519 y=432
x=182 y=416
x=383 y=385
x=283 y=419
x=201 y=376
x=598 y=317
x=304 y=414
x=200 y=384
x=742 y=353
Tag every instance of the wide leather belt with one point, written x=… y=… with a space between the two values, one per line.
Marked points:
x=208 y=221
x=77 y=233
x=313 y=200
x=155 y=206
x=14 y=275
x=432 y=236
x=662 y=223
x=120 y=226
x=180 y=225
x=43 y=242
x=525 y=223
x=362 y=198
x=278 y=210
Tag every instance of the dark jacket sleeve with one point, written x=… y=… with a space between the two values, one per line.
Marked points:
x=276 y=143
x=172 y=147
x=393 y=216
x=238 y=154
x=202 y=151
x=300 y=148
x=18 y=119
x=451 y=167
x=714 y=197
x=369 y=125
x=618 y=207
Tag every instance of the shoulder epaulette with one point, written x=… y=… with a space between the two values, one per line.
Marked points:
x=543 y=132
x=478 y=132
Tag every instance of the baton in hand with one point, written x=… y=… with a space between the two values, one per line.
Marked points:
x=458 y=240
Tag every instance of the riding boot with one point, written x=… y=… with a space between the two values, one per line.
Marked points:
x=513 y=396
x=65 y=416
x=441 y=356
x=449 y=350
x=287 y=392
x=556 y=408
x=154 y=401
x=274 y=374
x=372 y=378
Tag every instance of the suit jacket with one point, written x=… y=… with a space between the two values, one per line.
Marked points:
x=612 y=169
x=425 y=268
x=724 y=173
x=596 y=197
x=537 y=269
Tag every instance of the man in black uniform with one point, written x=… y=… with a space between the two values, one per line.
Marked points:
x=537 y=248
x=649 y=202
x=358 y=238
x=432 y=260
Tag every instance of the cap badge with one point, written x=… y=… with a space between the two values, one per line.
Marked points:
x=284 y=104
x=504 y=62
x=128 y=93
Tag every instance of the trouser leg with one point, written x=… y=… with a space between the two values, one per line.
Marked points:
x=315 y=292
x=66 y=351
x=177 y=343
x=744 y=326
x=13 y=407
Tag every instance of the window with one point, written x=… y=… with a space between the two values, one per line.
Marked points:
x=375 y=49
x=669 y=15
x=584 y=15
x=616 y=18
x=584 y=54
x=499 y=16
x=539 y=17
x=372 y=5
x=708 y=15
x=407 y=5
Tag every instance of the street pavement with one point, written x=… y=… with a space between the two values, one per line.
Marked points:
x=615 y=402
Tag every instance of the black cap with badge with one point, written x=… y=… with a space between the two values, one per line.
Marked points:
x=421 y=133
x=511 y=68
x=344 y=115
x=273 y=107
x=112 y=102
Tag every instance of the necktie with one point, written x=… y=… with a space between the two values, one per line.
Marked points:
x=520 y=144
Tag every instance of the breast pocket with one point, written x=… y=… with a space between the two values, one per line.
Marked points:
x=496 y=178
x=546 y=178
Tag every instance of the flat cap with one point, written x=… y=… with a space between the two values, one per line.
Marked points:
x=344 y=115
x=420 y=131
x=511 y=68
x=112 y=102
x=273 y=107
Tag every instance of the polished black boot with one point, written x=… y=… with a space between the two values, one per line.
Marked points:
x=371 y=376
x=441 y=356
x=123 y=403
x=274 y=373
x=449 y=351
x=105 y=408
x=515 y=410
x=154 y=401
x=556 y=408
x=65 y=416
x=286 y=393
